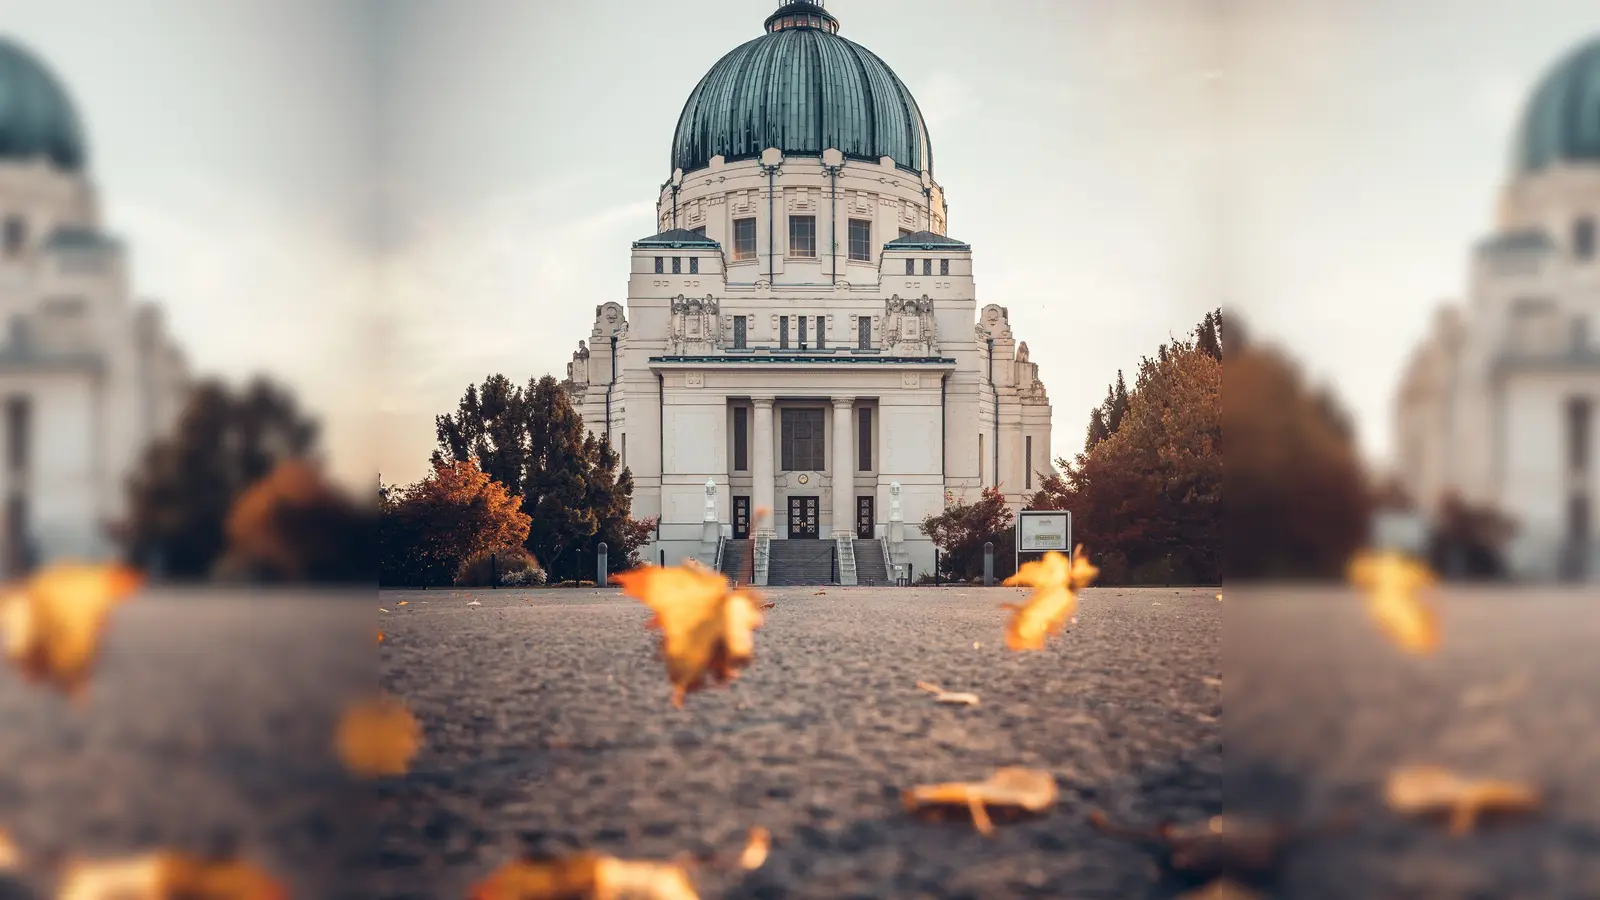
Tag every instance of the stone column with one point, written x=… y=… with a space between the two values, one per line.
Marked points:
x=762 y=471
x=844 y=468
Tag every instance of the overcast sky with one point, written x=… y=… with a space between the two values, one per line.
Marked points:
x=1119 y=168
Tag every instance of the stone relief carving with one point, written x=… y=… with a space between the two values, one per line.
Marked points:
x=696 y=326
x=909 y=327
x=578 y=369
x=994 y=322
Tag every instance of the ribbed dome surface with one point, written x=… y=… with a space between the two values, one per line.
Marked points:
x=36 y=115
x=1562 y=120
x=802 y=89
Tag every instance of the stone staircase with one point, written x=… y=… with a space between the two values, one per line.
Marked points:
x=801 y=562
x=738 y=561
x=871 y=568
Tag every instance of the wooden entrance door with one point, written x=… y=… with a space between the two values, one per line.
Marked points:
x=803 y=517
x=741 y=518
x=864 y=518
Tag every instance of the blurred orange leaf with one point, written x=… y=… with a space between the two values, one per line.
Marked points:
x=1033 y=790
x=1425 y=790
x=9 y=857
x=378 y=737
x=54 y=622
x=402 y=603
x=1220 y=889
x=380 y=637
x=1053 y=579
x=1392 y=582
x=587 y=876
x=755 y=850
x=706 y=627
x=167 y=876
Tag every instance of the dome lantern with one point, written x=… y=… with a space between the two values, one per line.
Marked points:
x=802 y=14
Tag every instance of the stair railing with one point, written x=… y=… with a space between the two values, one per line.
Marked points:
x=758 y=574
x=717 y=560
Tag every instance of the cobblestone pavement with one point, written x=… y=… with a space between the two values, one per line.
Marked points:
x=209 y=724
x=549 y=728
x=1319 y=709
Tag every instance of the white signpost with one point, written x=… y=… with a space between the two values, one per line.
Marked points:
x=1042 y=530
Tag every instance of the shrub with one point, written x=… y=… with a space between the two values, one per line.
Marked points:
x=479 y=569
x=531 y=577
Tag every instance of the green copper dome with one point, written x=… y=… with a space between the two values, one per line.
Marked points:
x=803 y=89
x=36 y=115
x=1562 y=121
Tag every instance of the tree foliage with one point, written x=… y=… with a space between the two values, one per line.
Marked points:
x=185 y=485
x=1147 y=497
x=428 y=529
x=1298 y=502
x=295 y=525
x=961 y=530
x=531 y=440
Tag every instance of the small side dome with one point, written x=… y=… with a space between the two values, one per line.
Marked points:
x=36 y=115
x=1561 y=123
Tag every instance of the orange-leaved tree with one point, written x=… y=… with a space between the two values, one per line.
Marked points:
x=1147 y=496
x=427 y=529
x=295 y=525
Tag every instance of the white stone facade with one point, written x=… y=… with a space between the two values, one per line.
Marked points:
x=711 y=338
x=1499 y=401
x=87 y=376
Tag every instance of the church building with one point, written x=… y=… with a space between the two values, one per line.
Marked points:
x=1498 y=403
x=801 y=372
x=88 y=376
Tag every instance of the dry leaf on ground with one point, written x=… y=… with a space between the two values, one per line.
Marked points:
x=707 y=628
x=1032 y=790
x=380 y=637
x=1393 y=582
x=402 y=603
x=167 y=876
x=755 y=850
x=378 y=737
x=587 y=876
x=769 y=605
x=474 y=602
x=54 y=622
x=1220 y=846
x=943 y=696
x=1053 y=579
x=1433 y=790
x=1221 y=889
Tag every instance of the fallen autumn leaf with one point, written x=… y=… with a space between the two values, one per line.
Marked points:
x=378 y=737
x=707 y=628
x=1054 y=579
x=587 y=876
x=54 y=623
x=1032 y=790
x=1424 y=790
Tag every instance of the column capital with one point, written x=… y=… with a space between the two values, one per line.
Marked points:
x=761 y=402
x=843 y=402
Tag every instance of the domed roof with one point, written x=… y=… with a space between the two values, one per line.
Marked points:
x=803 y=89
x=1562 y=120
x=36 y=115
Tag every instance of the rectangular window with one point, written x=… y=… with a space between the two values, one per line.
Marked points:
x=660 y=262
x=861 y=240
x=1583 y=238
x=864 y=439
x=803 y=236
x=1578 y=520
x=981 y=457
x=744 y=238
x=16 y=234
x=905 y=232
x=1579 y=413
x=783 y=332
x=624 y=449
x=944 y=267
x=677 y=265
x=739 y=333
x=927 y=267
x=17 y=548
x=802 y=322
x=694 y=265
x=802 y=440
x=18 y=415
x=822 y=330
x=911 y=267
x=1027 y=462
x=864 y=339
x=700 y=230
x=741 y=439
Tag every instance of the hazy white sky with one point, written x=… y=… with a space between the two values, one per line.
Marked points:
x=308 y=183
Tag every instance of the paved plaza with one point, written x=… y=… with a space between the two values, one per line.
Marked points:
x=549 y=728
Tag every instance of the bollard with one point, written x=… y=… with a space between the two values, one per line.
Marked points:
x=600 y=565
x=911 y=575
x=936 y=581
x=663 y=558
x=494 y=572
x=988 y=564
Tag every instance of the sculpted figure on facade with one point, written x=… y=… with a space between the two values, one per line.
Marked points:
x=696 y=326
x=909 y=328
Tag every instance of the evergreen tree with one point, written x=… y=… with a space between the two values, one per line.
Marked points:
x=489 y=428
x=1097 y=429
